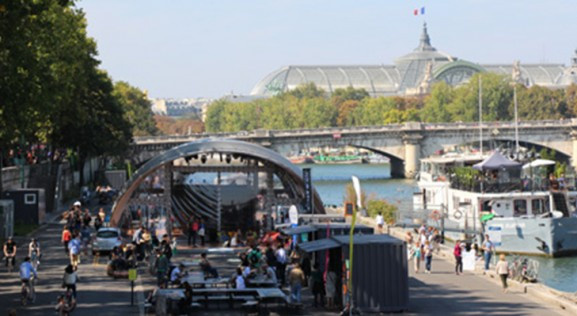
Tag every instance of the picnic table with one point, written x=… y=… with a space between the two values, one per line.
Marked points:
x=197 y=280
x=261 y=281
x=165 y=299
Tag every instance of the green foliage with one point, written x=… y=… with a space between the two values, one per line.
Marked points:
x=389 y=211
x=547 y=154
x=466 y=176
x=51 y=89
x=307 y=106
x=137 y=109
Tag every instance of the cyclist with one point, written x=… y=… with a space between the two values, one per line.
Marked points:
x=26 y=271
x=10 y=253
x=34 y=252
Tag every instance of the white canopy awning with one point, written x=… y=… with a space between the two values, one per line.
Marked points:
x=539 y=163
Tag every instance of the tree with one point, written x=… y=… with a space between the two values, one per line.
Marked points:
x=346 y=110
x=435 y=109
x=137 y=109
x=214 y=115
x=496 y=93
x=539 y=103
x=571 y=99
x=306 y=91
x=389 y=211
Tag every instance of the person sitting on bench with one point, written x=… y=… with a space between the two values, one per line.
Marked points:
x=206 y=267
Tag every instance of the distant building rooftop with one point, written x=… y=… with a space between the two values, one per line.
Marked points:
x=411 y=74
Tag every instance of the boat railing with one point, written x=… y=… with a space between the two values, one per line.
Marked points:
x=520 y=185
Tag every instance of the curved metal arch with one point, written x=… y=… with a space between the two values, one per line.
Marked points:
x=207 y=146
x=456 y=64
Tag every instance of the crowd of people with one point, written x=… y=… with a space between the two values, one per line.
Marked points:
x=423 y=246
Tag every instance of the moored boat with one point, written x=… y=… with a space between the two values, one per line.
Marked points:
x=522 y=214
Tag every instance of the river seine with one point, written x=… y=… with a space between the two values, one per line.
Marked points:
x=330 y=182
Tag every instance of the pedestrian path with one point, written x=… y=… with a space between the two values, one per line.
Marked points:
x=444 y=293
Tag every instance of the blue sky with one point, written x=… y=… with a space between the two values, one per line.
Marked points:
x=207 y=48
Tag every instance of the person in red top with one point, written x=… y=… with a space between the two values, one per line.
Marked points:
x=66 y=236
x=193 y=224
x=458 y=258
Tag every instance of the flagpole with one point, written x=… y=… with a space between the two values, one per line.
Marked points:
x=480 y=116
x=516 y=122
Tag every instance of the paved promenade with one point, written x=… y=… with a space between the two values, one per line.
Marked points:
x=444 y=293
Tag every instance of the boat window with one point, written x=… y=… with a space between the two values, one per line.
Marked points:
x=520 y=207
x=537 y=207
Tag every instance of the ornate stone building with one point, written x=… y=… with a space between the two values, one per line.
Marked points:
x=411 y=74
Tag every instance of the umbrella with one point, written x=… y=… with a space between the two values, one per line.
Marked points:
x=539 y=163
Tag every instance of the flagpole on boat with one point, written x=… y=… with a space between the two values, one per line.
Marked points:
x=480 y=116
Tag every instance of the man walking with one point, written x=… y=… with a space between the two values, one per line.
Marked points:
x=488 y=248
x=296 y=280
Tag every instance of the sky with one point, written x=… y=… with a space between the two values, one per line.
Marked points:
x=209 y=48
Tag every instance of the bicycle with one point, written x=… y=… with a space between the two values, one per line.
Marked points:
x=35 y=260
x=10 y=263
x=27 y=294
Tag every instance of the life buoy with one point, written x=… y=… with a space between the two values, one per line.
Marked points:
x=435 y=215
x=457 y=214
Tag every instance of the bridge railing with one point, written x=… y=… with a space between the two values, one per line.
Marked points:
x=408 y=126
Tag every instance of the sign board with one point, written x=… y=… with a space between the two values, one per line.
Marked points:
x=349 y=208
x=308 y=190
x=469 y=260
x=132 y=274
x=305 y=237
x=494 y=233
x=293 y=215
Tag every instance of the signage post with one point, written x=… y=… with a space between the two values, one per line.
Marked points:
x=132 y=276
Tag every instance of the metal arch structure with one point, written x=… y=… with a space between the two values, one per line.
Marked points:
x=284 y=169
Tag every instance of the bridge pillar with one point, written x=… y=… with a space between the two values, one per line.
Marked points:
x=412 y=154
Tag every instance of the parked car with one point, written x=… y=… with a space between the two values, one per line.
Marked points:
x=106 y=239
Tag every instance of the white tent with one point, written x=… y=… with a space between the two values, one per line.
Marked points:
x=539 y=163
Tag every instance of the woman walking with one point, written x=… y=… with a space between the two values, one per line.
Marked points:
x=428 y=256
x=70 y=278
x=502 y=269
x=458 y=257
x=416 y=255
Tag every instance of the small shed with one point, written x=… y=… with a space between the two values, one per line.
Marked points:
x=380 y=272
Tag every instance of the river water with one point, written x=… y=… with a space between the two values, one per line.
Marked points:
x=330 y=182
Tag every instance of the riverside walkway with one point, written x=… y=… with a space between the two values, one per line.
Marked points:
x=444 y=293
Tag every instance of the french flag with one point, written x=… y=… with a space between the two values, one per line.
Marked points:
x=416 y=11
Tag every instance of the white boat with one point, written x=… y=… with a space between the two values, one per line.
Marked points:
x=521 y=215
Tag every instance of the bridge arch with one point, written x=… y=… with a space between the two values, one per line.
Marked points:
x=397 y=163
x=255 y=157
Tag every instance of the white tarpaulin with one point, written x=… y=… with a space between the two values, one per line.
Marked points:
x=539 y=163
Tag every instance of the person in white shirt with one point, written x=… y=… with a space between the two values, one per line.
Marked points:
x=281 y=264
x=380 y=222
x=239 y=281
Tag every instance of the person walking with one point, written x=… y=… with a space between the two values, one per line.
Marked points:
x=296 y=281
x=317 y=285
x=488 y=249
x=380 y=222
x=74 y=247
x=457 y=252
x=281 y=260
x=502 y=269
x=428 y=256
x=201 y=231
x=416 y=255
x=66 y=237
x=331 y=288
x=162 y=266
x=70 y=278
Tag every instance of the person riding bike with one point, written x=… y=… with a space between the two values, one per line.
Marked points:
x=34 y=252
x=10 y=253
x=26 y=271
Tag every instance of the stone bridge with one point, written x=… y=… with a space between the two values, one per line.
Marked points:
x=404 y=143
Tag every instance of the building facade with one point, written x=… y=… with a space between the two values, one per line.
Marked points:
x=411 y=74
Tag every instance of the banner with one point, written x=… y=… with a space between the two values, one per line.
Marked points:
x=308 y=190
